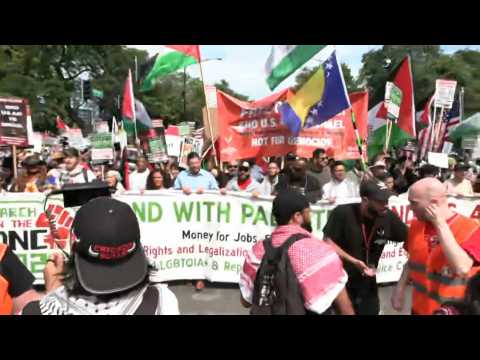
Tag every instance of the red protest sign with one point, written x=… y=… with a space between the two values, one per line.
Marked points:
x=255 y=129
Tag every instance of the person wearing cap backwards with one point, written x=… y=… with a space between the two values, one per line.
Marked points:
x=317 y=267
x=74 y=172
x=359 y=233
x=244 y=181
x=443 y=249
x=458 y=185
x=32 y=178
x=108 y=272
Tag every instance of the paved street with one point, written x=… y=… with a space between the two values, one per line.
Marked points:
x=224 y=299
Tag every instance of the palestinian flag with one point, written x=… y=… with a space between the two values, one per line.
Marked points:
x=169 y=60
x=284 y=60
x=133 y=111
x=128 y=106
x=404 y=129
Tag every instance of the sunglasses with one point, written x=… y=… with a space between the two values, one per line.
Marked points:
x=233 y=167
x=243 y=169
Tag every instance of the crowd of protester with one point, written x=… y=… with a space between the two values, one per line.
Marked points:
x=321 y=178
x=296 y=183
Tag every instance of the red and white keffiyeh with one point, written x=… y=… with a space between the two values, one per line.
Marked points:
x=317 y=266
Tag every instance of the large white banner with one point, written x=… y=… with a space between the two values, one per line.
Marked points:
x=186 y=237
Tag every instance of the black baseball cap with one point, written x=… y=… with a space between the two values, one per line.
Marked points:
x=109 y=257
x=376 y=191
x=286 y=204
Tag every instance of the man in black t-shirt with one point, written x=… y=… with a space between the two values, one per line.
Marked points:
x=359 y=233
x=18 y=281
x=297 y=179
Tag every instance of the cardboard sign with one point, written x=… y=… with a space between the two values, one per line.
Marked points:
x=393 y=100
x=447 y=147
x=101 y=127
x=158 y=149
x=75 y=138
x=187 y=148
x=174 y=144
x=438 y=159
x=445 y=93
x=13 y=121
x=102 y=147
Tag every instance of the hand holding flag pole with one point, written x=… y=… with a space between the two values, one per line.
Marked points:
x=359 y=140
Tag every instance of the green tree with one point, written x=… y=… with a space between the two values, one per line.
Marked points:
x=45 y=75
x=429 y=63
x=224 y=86
x=374 y=74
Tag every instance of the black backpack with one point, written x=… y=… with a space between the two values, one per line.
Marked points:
x=276 y=290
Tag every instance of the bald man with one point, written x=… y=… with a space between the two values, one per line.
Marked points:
x=443 y=247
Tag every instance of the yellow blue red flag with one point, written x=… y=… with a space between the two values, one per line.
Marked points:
x=322 y=97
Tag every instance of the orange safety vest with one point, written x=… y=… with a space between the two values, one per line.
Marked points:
x=6 y=302
x=434 y=283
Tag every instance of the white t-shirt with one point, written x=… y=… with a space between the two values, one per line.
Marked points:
x=138 y=181
x=463 y=188
x=77 y=176
x=345 y=189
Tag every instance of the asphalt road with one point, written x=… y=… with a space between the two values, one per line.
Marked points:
x=224 y=299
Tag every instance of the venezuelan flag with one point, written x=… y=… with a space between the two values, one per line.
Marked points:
x=322 y=97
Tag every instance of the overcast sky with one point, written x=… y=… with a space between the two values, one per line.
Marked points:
x=243 y=65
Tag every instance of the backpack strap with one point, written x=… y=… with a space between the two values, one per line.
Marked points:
x=85 y=175
x=149 y=303
x=32 y=308
x=291 y=240
x=273 y=253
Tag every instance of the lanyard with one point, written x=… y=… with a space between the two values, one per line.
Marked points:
x=368 y=240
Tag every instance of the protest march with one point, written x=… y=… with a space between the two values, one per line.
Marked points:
x=334 y=194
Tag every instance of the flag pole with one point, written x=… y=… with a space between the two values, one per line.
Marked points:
x=438 y=129
x=137 y=142
x=208 y=115
x=431 y=139
x=359 y=140
x=14 y=158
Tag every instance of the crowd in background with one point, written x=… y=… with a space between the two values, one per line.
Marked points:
x=321 y=178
